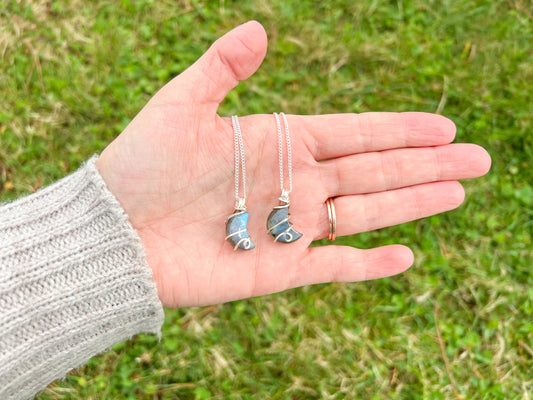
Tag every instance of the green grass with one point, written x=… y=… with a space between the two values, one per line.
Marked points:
x=457 y=325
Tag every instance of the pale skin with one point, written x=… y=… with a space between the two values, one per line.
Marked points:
x=172 y=171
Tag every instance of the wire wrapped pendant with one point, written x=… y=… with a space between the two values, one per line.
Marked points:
x=237 y=223
x=237 y=231
x=278 y=223
x=279 y=227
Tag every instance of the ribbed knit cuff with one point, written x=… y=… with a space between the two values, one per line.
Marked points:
x=73 y=281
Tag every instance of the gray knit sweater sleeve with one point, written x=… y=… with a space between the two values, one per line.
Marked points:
x=73 y=281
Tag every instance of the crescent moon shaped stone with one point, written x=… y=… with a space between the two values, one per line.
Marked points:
x=279 y=227
x=237 y=231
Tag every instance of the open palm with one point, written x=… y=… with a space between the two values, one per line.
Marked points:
x=172 y=171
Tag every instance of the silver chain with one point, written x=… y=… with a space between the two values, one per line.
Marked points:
x=239 y=162
x=284 y=193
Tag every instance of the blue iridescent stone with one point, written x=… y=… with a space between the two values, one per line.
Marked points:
x=279 y=227
x=237 y=231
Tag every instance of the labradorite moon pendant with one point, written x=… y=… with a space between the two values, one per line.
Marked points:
x=237 y=223
x=279 y=227
x=237 y=231
x=278 y=224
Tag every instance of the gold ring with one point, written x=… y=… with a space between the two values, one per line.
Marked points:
x=332 y=219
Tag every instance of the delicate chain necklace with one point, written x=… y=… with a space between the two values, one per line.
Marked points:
x=237 y=223
x=239 y=159
x=278 y=224
x=284 y=193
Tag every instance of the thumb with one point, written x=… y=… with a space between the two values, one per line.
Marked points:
x=232 y=58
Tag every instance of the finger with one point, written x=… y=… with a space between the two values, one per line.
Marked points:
x=348 y=264
x=393 y=169
x=366 y=212
x=232 y=58
x=336 y=135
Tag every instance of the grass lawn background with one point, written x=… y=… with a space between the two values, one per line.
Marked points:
x=458 y=325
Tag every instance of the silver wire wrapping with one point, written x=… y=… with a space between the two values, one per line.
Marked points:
x=237 y=223
x=278 y=224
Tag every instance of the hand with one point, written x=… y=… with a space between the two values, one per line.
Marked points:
x=172 y=171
